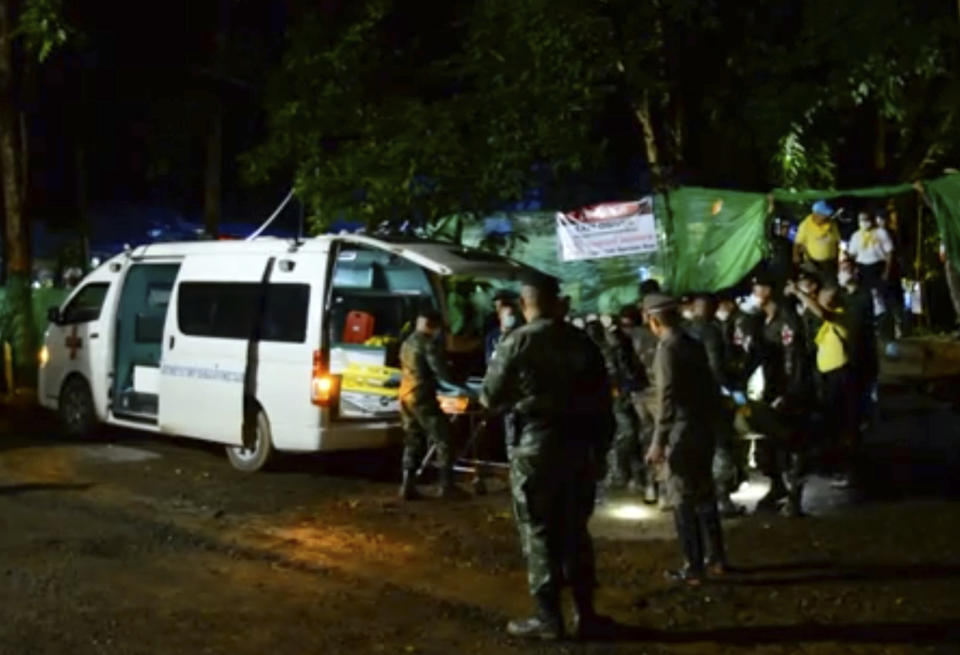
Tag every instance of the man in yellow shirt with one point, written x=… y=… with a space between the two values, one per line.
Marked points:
x=838 y=393
x=818 y=240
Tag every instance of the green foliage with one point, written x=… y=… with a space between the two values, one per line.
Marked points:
x=462 y=118
x=796 y=166
x=44 y=27
x=17 y=327
x=389 y=118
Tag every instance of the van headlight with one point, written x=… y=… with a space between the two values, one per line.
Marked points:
x=44 y=356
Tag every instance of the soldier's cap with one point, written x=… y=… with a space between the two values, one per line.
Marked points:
x=431 y=314
x=541 y=282
x=649 y=286
x=508 y=295
x=630 y=312
x=654 y=303
x=763 y=279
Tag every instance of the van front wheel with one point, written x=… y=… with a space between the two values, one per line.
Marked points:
x=78 y=416
x=255 y=457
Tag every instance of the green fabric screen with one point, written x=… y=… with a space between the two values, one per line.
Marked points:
x=943 y=194
x=714 y=237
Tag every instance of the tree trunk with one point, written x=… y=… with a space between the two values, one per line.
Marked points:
x=18 y=321
x=642 y=112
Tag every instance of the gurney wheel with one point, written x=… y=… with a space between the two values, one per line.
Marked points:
x=479 y=487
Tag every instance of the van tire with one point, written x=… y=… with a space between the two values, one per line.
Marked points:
x=251 y=460
x=78 y=415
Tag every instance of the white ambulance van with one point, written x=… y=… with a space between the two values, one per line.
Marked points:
x=244 y=342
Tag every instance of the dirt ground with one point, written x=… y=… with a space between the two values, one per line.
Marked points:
x=133 y=544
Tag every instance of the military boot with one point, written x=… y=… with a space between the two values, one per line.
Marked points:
x=650 y=492
x=795 y=480
x=714 y=551
x=545 y=625
x=793 y=507
x=587 y=624
x=408 y=489
x=691 y=543
x=446 y=487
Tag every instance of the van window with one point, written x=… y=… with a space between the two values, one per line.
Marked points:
x=228 y=310
x=85 y=306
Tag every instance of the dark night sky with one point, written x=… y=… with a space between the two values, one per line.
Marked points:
x=110 y=90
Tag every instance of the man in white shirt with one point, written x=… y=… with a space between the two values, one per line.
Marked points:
x=872 y=249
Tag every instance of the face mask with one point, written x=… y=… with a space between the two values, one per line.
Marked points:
x=508 y=322
x=688 y=314
x=748 y=304
x=844 y=278
x=606 y=320
x=722 y=315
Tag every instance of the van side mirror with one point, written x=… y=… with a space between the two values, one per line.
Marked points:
x=53 y=315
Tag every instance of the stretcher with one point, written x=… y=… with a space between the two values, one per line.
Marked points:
x=463 y=405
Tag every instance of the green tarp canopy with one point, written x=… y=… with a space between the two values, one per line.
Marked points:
x=786 y=195
x=943 y=195
x=710 y=239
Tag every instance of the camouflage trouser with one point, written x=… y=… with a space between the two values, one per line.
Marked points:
x=690 y=480
x=552 y=507
x=782 y=454
x=626 y=456
x=728 y=458
x=645 y=404
x=423 y=421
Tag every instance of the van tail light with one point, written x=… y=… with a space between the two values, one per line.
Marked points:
x=323 y=386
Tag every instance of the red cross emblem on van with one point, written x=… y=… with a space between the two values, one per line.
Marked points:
x=74 y=343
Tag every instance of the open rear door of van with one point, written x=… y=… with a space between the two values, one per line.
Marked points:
x=446 y=258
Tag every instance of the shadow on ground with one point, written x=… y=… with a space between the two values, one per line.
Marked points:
x=945 y=632
x=17 y=489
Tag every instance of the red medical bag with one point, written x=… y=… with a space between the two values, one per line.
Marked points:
x=358 y=328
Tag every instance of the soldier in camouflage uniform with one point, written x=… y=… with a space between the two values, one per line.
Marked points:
x=423 y=365
x=624 y=371
x=645 y=345
x=708 y=331
x=552 y=378
x=786 y=396
x=688 y=401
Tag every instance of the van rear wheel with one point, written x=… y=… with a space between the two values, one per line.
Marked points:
x=78 y=416
x=254 y=458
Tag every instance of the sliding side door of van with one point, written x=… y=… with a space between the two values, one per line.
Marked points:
x=205 y=346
